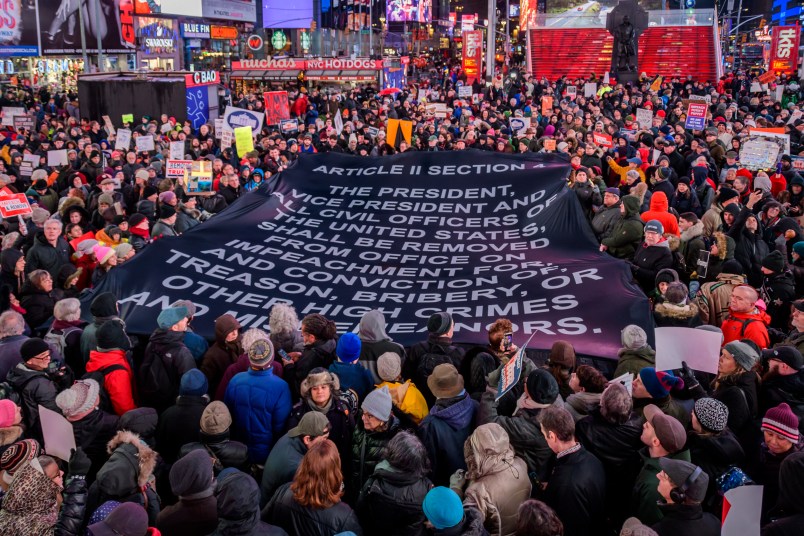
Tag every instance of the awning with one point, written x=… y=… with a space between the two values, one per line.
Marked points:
x=266 y=75
x=343 y=76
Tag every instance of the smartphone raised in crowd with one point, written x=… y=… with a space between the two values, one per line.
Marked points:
x=283 y=354
x=508 y=341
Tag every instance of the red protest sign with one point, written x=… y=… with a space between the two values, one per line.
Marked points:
x=176 y=168
x=14 y=205
x=276 y=107
x=603 y=140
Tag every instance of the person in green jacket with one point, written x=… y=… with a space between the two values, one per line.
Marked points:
x=627 y=234
x=664 y=437
x=636 y=353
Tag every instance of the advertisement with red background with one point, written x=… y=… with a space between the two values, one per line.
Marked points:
x=472 y=54
x=784 y=49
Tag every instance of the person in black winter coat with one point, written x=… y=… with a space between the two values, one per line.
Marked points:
x=587 y=193
x=612 y=433
x=37 y=300
x=778 y=290
x=318 y=334
x=683 y=514
x=238 y=501
x=50 y=251
x=685 y=199
x=375 y=342
x=196 y=513
x=652 y=256
x=179 y=424
x=391 y=500
x=749 y=246
x=436 y=350
x=783 y=381
x=35 y=384
x=577 y=485
x=788 y=517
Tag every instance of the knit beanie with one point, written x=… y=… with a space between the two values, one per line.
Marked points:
x=542 y=386
x=712 y=414
x=8 y=412
x=32 y=348
x=389 y=366
x=193 y=383
x=443 y=508
x=774 y=262
x=732 y=266
x=659 y=383
x=634 y=337
x=439 y=323
x=798 y=248
x=666 y=275
x=18 y=454
x=378 y=403
x=260 y=353
x=110 y=336
x=348 y=348
x=634 y=527
x=743 y=354
x=781 y=420
x=216 y=418
x=79 y=399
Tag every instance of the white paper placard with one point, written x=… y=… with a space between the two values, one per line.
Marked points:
x=699 y=348
x=123 y=141
x=57 y=433
x=176 y=150
x=145 y=143
x=57 y=158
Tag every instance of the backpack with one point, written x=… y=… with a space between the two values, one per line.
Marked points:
x=154 y=382
x=100 y=377
x=7 y=392
x=58 y=338
x=430 y=360
x=744 y=322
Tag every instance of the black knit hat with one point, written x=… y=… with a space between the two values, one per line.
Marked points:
x=726 y=194
x=104 y=304
x=542 y=387
x=166 y=211
x=439 y=323
x=32 y=348
x=774 y=262
x=112 y=336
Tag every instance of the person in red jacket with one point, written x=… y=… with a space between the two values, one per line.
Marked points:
x=745 y=320
x=110 y=360
x=658 y=211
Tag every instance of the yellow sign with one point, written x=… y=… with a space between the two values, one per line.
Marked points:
x=243 y=140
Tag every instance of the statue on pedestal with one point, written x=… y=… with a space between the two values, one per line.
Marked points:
x=626 y=22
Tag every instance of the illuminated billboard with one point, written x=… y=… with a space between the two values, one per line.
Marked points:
x=409 y=10
x=286 y=14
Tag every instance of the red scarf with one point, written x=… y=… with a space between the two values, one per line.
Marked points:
x=143 y=233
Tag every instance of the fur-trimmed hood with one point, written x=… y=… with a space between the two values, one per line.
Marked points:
x=693 y=232
x=680 y=312
x=722 y=245
x=127 y=453
x=10 y=435
x=70 y=202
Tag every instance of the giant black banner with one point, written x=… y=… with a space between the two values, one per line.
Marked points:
x=478 y=234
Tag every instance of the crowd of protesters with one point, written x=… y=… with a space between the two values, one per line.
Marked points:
x=301 y=431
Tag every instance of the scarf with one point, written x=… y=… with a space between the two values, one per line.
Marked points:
x=142 y=233
x=525 y=402
x=322 y=409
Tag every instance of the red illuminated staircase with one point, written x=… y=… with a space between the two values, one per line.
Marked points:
x=670 y=51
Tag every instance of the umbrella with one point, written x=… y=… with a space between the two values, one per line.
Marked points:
x=390 y=91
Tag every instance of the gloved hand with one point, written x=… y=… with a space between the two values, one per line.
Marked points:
x=688 y=376
x=457 y=481
x=79 y=463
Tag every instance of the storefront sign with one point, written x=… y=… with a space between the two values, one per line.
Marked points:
x=268 y=65
x=202 y=78
x=347 y=64
x=329 y=64
x=223 y=32
x=784 y=50
x=241 y=10
x=195 y=29
x=279 y=40
x=255 y=42
x=472 y=54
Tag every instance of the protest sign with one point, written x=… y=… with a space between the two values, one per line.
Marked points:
x=373 y=132
x=767 y=77
x=572 y=92
x=9 y=112
x=606 y=77
x=29 y=163
x=755 y=88
x=465 y=91
x=629 y=134
x=338 y=123
x=276 y=107
x=123 y=141
x=127 y=118
x=798 y=163
x=774 y=134
x=218 y=127
x=438 y=109
x=589 y=89
x=108 y=122
x=176 y=168
x=57 y=433
x=288 y=126
x=14 y=205
x=511 y=372
x=238 y=117
x=227 y=137
x=519 y=125
x=24 y=121
x=145 y=144
x=656 y=84
x=602 y=140
x=644 y=117
x=177 y=150
x=199 y=179
x=627 y=381
x=547 y=105
x=742 y=511
x=243 y=140
x=549 y=144
x=699 y=348
x=548 y=285
x=696 y=116
x=759 y=152
x=57 y=158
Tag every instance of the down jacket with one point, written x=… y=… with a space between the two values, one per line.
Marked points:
x=367 y=451
x=260 y=406
x=391 y=502
x=498 y=479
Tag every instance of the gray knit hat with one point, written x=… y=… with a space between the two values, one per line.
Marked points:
x=378 y=403
x=744 y=355
x=634 y=337
x=389 y=366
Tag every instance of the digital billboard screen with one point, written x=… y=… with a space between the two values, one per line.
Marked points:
x=287 y=14
x=409 y=10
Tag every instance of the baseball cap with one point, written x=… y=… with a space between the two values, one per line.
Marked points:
x=313 y=424
x=786 y=354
